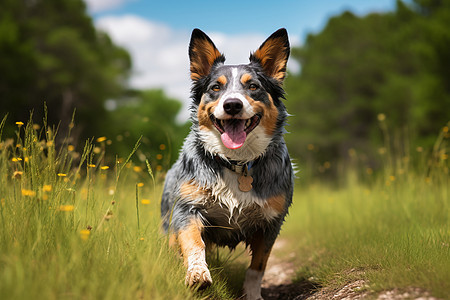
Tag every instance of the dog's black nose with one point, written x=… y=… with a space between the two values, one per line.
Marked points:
x=232 y=106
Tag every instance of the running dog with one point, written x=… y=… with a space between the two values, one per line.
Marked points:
x=233 y=181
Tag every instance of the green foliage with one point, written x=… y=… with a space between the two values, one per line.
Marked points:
x=51 y=51
x=152 y=115
x=393 y=232
x=69 y=228
x=358 y=68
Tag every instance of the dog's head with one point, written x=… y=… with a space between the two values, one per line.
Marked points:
x=237 y=110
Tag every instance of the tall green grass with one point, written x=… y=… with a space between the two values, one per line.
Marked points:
x=392 y=230
x=74 y=227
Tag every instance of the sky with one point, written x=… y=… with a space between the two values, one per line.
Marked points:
x=157 y=33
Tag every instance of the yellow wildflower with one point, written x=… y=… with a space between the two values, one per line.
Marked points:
x=104 y=167
x=101 y=139
x=159 y=168
x=84 y=234
x=91 y=166
x=29 y=193
x=67 y=207
x=16 y=159
x=140 y=184
x=162 y=147
x=137 y=169
x=47 y=188
x=17 y=174
x=62 y=175
x=381 y=117
x=159 y=156
x=70 y=148
x=145 y=201
x=19 y=124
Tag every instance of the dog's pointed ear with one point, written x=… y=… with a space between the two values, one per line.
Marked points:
x=203 y=54
x=273 y=54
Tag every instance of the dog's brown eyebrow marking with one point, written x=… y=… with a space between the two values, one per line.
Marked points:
x=246 y=78
x=222 y=80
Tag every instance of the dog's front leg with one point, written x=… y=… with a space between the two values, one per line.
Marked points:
x=260 y=248
x=193 y=251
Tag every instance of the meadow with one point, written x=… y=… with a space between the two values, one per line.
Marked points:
x=74 y=225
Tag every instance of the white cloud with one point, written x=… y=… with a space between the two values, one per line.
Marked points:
x=96 y=6
x=160 y=54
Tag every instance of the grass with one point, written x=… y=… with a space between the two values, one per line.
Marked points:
x=393 y=231
x=73 y=226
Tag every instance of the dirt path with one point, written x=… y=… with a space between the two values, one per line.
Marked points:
x=277 y=284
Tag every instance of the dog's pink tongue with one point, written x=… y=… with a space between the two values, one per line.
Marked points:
x=234 y=135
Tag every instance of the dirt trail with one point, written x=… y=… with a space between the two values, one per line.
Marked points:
x=277 y=284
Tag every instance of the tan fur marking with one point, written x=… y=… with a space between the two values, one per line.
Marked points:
x=203 y=113
x=277 y=203
x=206 y=54
x=246 y=78
x=270 y=114
x=190 y=190
x=222 y=80
x=260 y=253
x=173 y=241
x=190 y=240
x=273 y=58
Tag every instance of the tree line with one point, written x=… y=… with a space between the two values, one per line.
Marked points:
x=370 y=84
x=361 y=78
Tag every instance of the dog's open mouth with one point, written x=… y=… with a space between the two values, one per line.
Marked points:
x=233 y=132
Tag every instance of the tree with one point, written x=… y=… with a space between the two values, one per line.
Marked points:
x=50 y=51
x=360 y=67
x=152 y=115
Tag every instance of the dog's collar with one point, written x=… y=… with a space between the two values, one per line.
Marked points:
x=236 y=165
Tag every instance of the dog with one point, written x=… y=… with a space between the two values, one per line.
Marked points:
x=233 y=181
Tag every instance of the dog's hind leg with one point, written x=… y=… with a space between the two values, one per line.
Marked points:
x=193 y=251
x=260 y=247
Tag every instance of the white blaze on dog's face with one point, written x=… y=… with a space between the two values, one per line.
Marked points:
x=237 y=115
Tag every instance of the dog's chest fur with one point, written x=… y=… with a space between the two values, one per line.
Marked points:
x=230 y=215
x=227 y=200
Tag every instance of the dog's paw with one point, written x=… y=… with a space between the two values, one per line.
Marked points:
x=198 y=276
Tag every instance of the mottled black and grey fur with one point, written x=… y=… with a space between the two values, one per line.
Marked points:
x=271 y=169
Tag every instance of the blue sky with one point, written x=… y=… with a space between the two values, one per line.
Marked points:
x=157 y=33
x=232 y=16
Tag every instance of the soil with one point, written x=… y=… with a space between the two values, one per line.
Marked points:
x=278 y=284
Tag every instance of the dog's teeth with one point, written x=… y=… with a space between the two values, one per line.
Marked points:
x=247 y=123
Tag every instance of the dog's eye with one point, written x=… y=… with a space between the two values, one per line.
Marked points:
x=215 y=88
x=252 y=87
